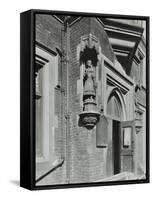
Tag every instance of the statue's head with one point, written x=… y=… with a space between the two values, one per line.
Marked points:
x=89 y=63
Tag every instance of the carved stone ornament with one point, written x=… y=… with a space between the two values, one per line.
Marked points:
x=89 y=49
x=89 y=119
x=89 y=57
x=89 y=41
x=138 y=113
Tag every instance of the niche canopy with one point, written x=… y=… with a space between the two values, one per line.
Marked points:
x=89 y=58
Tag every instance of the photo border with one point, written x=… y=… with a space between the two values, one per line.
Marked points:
x=27 y=134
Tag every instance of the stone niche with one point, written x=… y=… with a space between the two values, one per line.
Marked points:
x=89 y=50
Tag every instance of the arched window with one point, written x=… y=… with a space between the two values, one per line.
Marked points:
x=114 y=109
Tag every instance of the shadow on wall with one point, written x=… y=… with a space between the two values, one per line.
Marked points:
x=15 y=182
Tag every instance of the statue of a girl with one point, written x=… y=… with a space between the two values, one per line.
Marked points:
x=89 y=79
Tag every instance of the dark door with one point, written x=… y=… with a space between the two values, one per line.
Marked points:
x=127 y=146
x=116 y=147
x=123 y=146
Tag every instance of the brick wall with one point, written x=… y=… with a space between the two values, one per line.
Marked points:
x=49 y=33
x=97 y=29
x=83 y=161
x=87 y=162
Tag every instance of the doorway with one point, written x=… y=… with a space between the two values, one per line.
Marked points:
x=116 y=146
x=121 y=135
x=123 y=146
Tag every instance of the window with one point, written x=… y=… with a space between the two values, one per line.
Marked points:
x=127 y=137
x=39 y=107
x=45 y=81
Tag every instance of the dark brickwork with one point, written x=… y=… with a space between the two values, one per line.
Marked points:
x=87 y=161
x=97 y=29
x=49 y=32
x=83 y=161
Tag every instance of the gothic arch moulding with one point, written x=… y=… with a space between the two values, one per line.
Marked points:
x=115 y=92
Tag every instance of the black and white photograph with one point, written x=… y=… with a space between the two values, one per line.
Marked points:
x=90 y=99
x=76 y=100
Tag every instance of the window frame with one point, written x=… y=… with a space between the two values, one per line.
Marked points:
x=49 y=60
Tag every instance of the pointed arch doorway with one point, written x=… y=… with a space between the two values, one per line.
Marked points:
x=122 y=140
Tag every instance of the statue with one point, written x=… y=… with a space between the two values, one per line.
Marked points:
x=89 y=79
x=89 y=56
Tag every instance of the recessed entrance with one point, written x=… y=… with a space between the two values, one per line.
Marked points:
x=121 y=133
x=116 y=147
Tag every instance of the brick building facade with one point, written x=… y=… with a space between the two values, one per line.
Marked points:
x=90 y=99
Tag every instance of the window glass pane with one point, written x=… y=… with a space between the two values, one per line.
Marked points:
x=38 y=128
x=127 y=137
x=39 y=110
